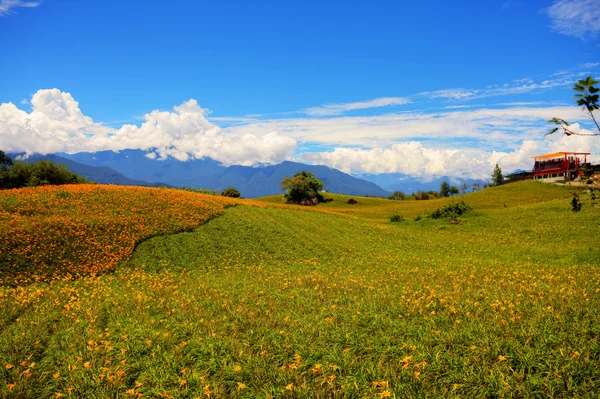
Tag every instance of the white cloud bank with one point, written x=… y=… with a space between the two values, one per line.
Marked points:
x=56 y=124
x=579 y=18
x=454 y=143
x=413 y=158
x=7 y=6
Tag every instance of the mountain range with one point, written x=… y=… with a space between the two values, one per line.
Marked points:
x=133 y=167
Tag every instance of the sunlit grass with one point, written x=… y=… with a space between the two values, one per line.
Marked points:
x=285 y=302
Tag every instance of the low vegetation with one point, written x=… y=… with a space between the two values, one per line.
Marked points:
x=452 y=210
x=230 y=192
x=17 y=174
x=334 y=300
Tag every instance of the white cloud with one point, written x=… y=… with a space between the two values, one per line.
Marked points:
x=6 y=6
x=518 y=86
x=56 y=124
x=579 y=18
x=415 y=159
x=491 y=128
x=338 y=109
x=454 y=94
x=456 y=143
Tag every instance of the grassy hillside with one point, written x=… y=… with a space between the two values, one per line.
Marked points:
x=289 y=302
x=379 y=209
x=55 y=232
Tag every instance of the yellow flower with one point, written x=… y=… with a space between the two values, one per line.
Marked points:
x=241 y=385
x=289 y=387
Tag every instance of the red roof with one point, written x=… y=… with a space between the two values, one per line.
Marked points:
x=559 y=154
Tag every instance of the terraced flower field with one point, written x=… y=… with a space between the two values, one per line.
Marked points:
x=329 y=301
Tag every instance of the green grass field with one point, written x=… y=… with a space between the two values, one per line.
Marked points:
x=274 y=300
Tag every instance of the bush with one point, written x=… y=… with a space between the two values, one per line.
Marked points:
x=451 y=210
x=418 y=217
x=396 y=219
x=421 y=195
x=397 y=195
x=230 y=192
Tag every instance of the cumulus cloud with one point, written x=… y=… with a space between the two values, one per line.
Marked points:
x=7 y=6
x=579 y=18
x=417 y=160
x=338 y=109
x=56 y=124
x=455 y=143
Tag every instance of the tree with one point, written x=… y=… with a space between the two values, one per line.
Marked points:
x=303 y=187
x=40 y=173
x=397 y=195
x=445 y=189
x=497 y=177
x=454 y=190
x=230 y=192
x=587 y=99
x=476 y=186
x=5 y=161
x=464 y=187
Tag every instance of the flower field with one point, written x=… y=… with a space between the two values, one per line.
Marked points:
x=277 y=302
x=54 y=232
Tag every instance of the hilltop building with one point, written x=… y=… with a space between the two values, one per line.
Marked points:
x=561 y=166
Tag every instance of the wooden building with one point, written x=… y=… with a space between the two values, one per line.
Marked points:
x=565 y=165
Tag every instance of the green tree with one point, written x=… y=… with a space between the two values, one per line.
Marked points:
x=5 y=163
x=587 y=99
x=454 y=190
x=497 y=177
x=397 y=195
x=464 y=187
x=39 y=173
x=230 y=192
x=304 y=186
x=444 y=189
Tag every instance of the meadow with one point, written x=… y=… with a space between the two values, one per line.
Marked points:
x=274 y=300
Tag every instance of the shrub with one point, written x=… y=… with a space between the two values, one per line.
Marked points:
x=397 y=195
x=396 y=219
x=418 y=217
x=452 y=210
x=230 y=192
x=421 y=195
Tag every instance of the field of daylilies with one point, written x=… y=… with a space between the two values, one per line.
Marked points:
x=278 y=301
x=53 y=232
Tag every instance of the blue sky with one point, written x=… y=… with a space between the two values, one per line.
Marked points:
x=418 y=87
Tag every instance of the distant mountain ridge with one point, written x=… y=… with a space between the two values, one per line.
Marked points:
x=98 y=174
x=208 y=173
x=408 y=184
